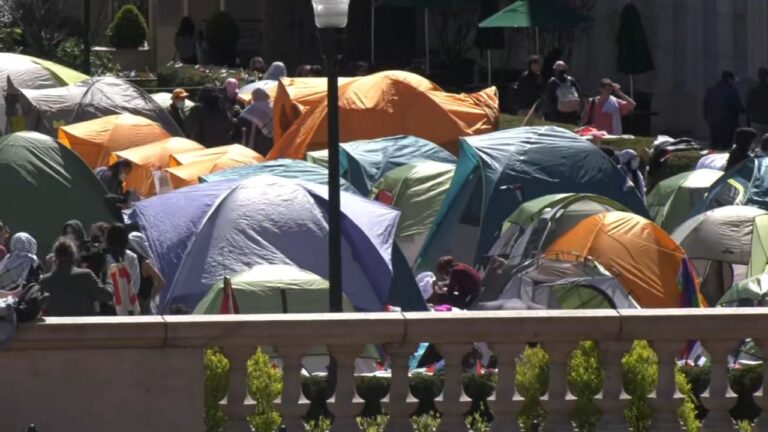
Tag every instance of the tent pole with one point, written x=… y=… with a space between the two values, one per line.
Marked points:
x=373 y=33
x=538 y=47
x=426 y=37
x=490 y=71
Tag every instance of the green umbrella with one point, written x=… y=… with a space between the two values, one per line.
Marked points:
x=541 y=13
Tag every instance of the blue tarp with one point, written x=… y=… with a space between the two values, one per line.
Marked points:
x=498 y=172
x=285 y=168
x=224 y=228
x=364 y=163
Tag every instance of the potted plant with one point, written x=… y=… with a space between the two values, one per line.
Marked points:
x=128 y=37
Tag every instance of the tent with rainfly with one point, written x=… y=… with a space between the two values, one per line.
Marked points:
x=672 y=200
x=393 y=103
x=149 y=159
x=187 y=168
x=32 y=73
x=46 y=185
x=742 y=185
x=417 y=190
x=285 y=168
x=758 y=261
x=96 y=140
x=498 y=172
x=363 y=163
x=45 y=110
x=719 y=243
x=221 y=229
x=650 y=265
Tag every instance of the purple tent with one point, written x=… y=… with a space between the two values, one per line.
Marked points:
x=200 y=234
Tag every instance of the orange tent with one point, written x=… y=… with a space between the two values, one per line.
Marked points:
x=151 y=157
x=96 y=140
x=187 y=168
x=387 y=104
x=643 y=257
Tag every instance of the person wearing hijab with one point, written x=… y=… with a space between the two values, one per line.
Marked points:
x=276 y=72
x=231 y=91
x=152 y=282
x=629 y=162
x=21 y=265
x=257 y=121
x=209 y=122
x=742 y=146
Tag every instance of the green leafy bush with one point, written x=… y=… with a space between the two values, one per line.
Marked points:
x=129 y=29
x=322 y=424
x=222 y=36
x=532 y=381
x=216 y=385
x=71 y=52
x=585 y=378
x=373 y=424
x=429 y=422
x=265 y=385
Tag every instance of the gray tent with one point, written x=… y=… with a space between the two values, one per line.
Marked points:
x=45 y=110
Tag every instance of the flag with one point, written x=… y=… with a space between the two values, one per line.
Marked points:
x=228 y=301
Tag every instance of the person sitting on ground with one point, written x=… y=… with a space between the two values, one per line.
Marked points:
x=257 y=121
x=742 y=146
x=178 y=108
x=562 y=97
x=152 y=282
x=303 y=71
x=113 y=178
x=73 y=291
x=21 y=266
x=605 y=111
x=458 y=284
x=209 y=122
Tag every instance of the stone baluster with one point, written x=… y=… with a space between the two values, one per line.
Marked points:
x=399 y=403
x=293 y=405
x=452 y=402
x=558 y=402
x=237 y=405
x=506 y=402
x=761 y=397
x=613 y=400
x=666 y=399
x=345 y=404
x=719 y=398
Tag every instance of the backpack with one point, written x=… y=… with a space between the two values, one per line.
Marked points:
x=568 y=100
x=31 y=303
x=125 y=297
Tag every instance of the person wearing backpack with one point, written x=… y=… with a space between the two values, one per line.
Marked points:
x=604 y=112
x=563 y=97
x=121 y=275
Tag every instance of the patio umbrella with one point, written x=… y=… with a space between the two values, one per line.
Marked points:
x=535 y=14
x=634 y=53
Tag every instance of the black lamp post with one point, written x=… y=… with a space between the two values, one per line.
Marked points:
x=331 y=20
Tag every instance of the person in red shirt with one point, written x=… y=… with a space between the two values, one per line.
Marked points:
x=458 y=283
x=605 y=111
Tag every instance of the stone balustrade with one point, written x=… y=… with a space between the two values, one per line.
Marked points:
x=146 y=374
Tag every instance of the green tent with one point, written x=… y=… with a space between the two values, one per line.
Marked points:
x=45 y=185
x=418 y=191
x=363 y=163
x=749 y=292
x=539 y=13
x=672 y=201
x=758 y=263
x=272 y=289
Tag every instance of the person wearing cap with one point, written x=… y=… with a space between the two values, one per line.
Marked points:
x=722 y=111
x=605 y=111
x=178 y=110
x=563 y=98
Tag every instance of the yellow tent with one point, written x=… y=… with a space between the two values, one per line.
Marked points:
x=387 y=104
x=151 y=157
x=187 y=168
x=96 y=140
x=643 y=257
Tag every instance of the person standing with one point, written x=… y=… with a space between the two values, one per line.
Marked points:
x=209 y=122
x=186 y=41
x=178 y=108
x=72 y=291
x=257 y=121
x=122 y=273
x=605 y=111
x=743 y=141
x=563 y=97
x=722 y=111
x=757 y=104
x=530 y=86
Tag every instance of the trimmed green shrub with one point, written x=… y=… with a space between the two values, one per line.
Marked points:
x=429 y=422
x=129 y=29
x=373 y=424
x=71 y=52
x=222 y=36
x=265 y=385
x=216 y=386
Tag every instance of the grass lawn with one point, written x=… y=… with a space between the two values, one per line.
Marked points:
x=677 y=164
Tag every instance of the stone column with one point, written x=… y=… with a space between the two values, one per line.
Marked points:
x=666 y=399
x=558 y=402
x=719 y=398
x=612 y=401
x=345 y=405
x=660 y=28
x=695 y=70
x=506 y=402
x=237 y=406
x=293 y=405
x=453 y=403
x=399 y=404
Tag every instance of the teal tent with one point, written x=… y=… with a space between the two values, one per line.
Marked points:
x=45 y=185
x=498 y=172
x=363 y=163
x=285 y=168
x=746 y=184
